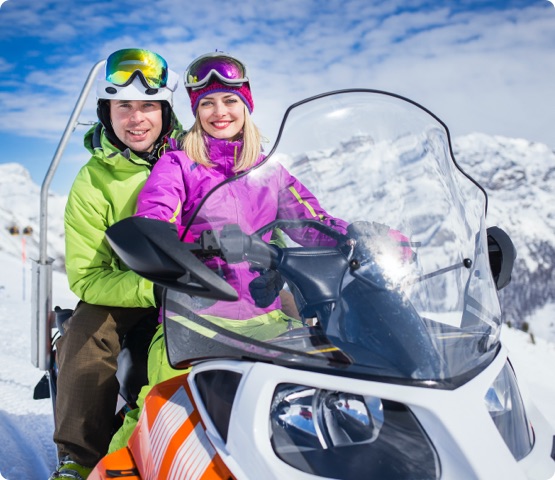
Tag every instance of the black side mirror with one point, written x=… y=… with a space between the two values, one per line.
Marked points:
x=502 y=256
x=152 y=249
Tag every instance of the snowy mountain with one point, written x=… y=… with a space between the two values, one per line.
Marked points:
x=515 y=174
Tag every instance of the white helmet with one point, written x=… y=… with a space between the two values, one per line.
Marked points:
x=136 y=74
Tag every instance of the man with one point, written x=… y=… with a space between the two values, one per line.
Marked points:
x=137 y=122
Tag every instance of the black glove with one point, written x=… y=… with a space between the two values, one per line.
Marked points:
x=265 y=288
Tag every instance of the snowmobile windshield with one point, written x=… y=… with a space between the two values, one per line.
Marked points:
x=379 y=237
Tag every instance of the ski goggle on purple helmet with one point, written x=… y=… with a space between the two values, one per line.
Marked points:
x=124 y=65
x=215 y=66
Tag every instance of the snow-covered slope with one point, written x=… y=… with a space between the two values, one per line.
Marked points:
x=26 y=425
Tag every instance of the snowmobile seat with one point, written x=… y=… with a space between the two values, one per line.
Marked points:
x=61 y=315
x=132 y=361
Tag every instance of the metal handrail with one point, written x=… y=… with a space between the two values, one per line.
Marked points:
x=71 y=124
x=41 y=323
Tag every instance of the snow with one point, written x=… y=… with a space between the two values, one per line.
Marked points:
x=26 y=425
x=542 y=322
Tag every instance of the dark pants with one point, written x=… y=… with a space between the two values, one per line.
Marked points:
x=87 y=385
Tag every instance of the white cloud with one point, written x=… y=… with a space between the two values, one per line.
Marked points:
x=5 y=66
x=477 y=69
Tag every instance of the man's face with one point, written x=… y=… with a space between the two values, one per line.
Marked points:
x=137 y=123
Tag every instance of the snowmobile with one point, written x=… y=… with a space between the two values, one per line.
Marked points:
x=395 y=368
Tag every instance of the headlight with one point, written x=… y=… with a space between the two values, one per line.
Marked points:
x=349 y=436
x=507 y=411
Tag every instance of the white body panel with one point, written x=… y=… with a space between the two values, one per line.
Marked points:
x=457 y=422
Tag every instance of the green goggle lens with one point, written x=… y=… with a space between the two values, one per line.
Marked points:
x=122 y=67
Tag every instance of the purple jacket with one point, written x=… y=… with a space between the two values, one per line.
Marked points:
x=177 y=185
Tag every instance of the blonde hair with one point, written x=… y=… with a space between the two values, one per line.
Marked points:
x=194 y=144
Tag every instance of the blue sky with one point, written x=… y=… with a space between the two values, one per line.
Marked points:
x=481 y=66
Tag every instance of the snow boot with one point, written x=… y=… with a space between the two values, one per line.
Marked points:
x=69 y=470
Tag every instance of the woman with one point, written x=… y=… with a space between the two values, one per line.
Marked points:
x=222 y=143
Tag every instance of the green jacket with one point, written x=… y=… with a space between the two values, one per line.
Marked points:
x=104 y=192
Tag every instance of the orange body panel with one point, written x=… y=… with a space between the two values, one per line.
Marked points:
x=120 y=462
x=169 y=441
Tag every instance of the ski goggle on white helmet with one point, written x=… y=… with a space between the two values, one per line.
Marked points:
x=136 y=74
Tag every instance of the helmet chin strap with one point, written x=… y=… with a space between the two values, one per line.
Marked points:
x=151 y=156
